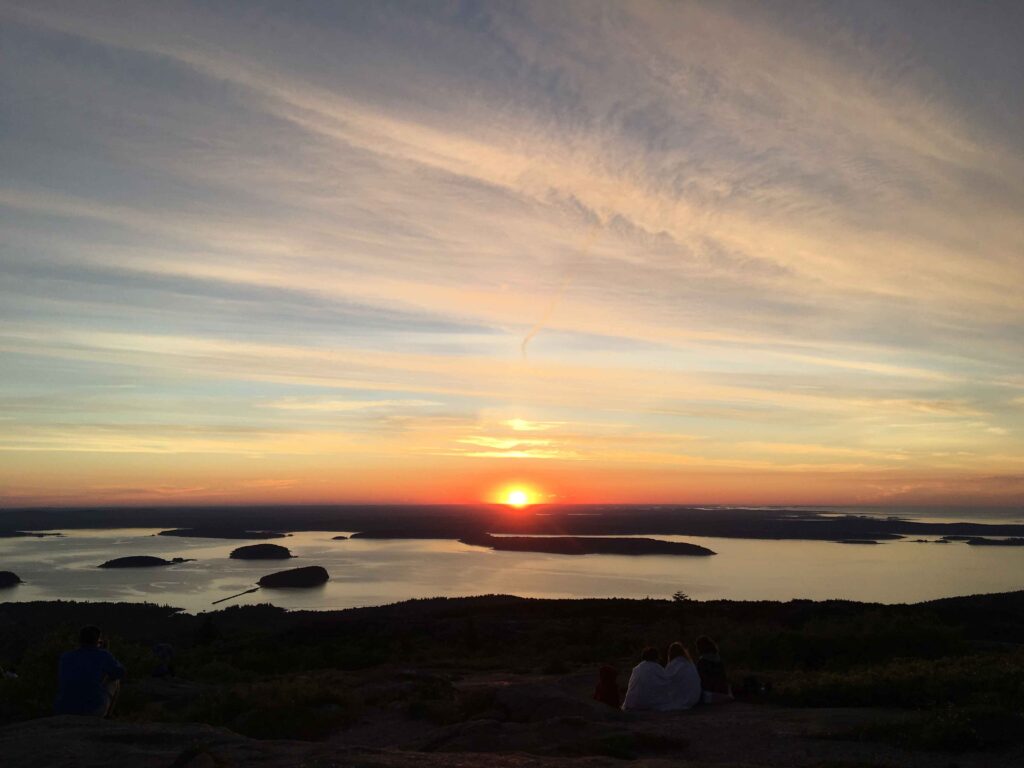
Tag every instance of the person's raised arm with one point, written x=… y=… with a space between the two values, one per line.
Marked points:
x=112 y=668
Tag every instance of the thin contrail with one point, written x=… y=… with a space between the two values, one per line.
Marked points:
x=539 y=325
x=563 y=286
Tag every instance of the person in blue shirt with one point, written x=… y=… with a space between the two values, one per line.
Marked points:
x=89 y=677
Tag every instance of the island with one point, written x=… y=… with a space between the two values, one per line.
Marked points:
x=339 y=538
x=981 y=542
x=27 y=534
x=141 y=561
x=310 y=576
x=585 y=545
x=261 y=552
x=857 y=541
x=9 y=579
x=223 y=533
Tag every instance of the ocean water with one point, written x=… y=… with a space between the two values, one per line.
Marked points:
x=375 y=572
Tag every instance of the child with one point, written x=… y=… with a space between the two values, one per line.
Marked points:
x=607 y=690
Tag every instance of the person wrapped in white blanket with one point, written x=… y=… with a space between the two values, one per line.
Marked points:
x=656 y=688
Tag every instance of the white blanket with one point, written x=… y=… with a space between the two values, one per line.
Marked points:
x=683 y=683
x=654 y=687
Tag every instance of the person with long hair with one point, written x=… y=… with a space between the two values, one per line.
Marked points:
x=684 y=686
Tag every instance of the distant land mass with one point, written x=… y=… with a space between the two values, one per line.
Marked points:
x=458 y=522
x=223 y=533
x=261 y=552
x=309 y=576
x=581 y=545
x=141 y=561
x=1016 y=542
x=857 y=541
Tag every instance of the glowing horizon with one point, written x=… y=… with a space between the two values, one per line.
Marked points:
x=735 y=253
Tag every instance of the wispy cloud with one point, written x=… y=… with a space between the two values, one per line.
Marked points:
x=311 y=404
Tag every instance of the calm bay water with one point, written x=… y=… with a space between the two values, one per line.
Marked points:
x=374 y=572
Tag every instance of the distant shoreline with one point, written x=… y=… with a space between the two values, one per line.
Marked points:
x=459 y=522
x=582 y=545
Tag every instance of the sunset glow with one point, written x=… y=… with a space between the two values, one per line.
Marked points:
x=699 y=253
x=517 y=498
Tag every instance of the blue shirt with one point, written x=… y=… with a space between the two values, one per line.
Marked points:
x=81 y=676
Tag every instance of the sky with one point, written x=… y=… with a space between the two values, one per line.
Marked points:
x=320 y=252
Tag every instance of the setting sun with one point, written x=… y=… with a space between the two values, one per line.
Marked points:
x=517 y=497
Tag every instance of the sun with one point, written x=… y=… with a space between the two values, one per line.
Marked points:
x=517 y=498
x=516 y=495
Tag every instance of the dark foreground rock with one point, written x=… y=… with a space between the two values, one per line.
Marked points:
x=223 y=533
x=85 y=742
x=261 y=552
x=9 y=579
x=734 y=736
x=310 y=576
x=583 y=545
x=141 y=561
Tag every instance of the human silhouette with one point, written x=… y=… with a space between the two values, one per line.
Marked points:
x=607 y=690
x=713 y=679
x=89 y=677
x=646 y=689
x=684 y=686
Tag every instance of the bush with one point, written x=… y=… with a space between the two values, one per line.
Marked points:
x=298 y=707
x=983 y=679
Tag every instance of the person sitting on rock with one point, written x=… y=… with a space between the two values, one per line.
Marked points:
x=89 y=677
x=684 y=686
x=607 y=690
x=713 y=680
x=647 y=684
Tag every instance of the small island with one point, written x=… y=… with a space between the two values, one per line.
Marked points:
x=586 y=545
x=261 y=552
x=9 y=579
x=223 y=533
x=141 y=561
x=27 y=534
x=339 y=538
x=982 y=542
x=310 y=576
x=857 y=541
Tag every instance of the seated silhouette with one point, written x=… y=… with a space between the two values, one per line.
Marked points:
x=646 y=689
x=88 y=677
x=684 y=686
x=713 y=679
x=607 y=690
